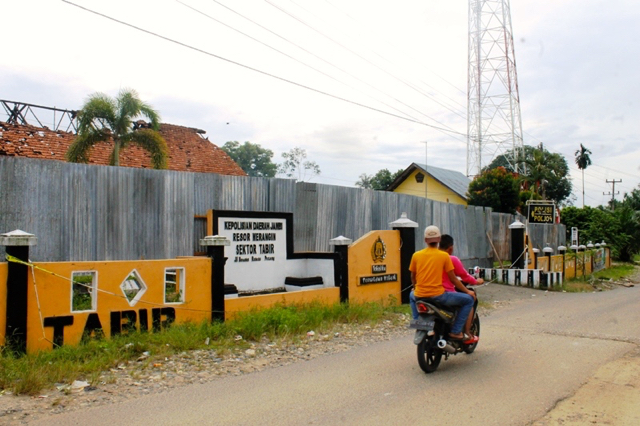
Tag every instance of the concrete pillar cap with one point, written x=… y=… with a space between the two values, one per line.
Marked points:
x=340 y=241
x=517 y=225
x=215 y=240
x=403 y=222
x=18 y=238
x=562 y=248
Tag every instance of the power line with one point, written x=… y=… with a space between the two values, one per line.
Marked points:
x=291 y=57
x=196 y=49
x=411 y=85
x=451 y=108
x=352 y=52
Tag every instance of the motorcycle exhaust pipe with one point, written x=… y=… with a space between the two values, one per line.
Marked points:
x=442 y=344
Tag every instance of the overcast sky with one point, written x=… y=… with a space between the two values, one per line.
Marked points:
x=360 y=85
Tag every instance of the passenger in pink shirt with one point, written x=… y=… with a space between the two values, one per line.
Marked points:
x=446 y=245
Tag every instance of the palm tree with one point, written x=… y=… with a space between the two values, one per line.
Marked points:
x=583 y=161
x=103 y=118
x=538 y=170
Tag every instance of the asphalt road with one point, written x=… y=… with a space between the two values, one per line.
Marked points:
x=532 y=354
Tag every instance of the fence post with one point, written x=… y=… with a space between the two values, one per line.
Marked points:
x=548 y=251
x=341 y=265
x=563 y=251
x=17 y=244
x=215 y=250
x=407 y=229
x=607 y=254
x=590 y=247
x=536 y=252
x=517 y=244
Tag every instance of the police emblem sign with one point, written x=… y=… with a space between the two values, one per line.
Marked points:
x=542 y=213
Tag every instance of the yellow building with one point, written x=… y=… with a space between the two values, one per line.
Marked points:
x=433 y=183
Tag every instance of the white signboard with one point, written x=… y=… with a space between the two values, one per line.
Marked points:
x=574 y=236
x=255 y=242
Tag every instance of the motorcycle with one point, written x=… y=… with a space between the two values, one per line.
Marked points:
x=432 y=335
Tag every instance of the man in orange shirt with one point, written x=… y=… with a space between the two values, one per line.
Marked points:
x=427 y=267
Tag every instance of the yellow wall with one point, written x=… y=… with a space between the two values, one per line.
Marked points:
x=4 y=270
x=327 y=296
x=556 y=263
x=436 y=190
x=569 y=268
x=579 y=270
x=543 y=263
x=361 y=262
x=54 y=296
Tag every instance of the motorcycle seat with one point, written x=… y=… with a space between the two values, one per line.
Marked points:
x=444 y=311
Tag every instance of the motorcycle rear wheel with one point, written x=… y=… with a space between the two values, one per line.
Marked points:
x=475 y=329
x=429 y=355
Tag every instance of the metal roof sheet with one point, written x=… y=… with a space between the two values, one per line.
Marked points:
x=454 y=180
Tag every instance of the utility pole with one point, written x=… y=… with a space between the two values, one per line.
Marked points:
x=613 y=192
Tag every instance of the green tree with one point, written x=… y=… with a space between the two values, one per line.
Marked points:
x=103 y=118
x=620 y=229
x=380 y=181
x=627 y=241
x=632 y=200
x=546 y=173
x=297 y=166
x=594 y=224
x=583 y=161
x=496 y=188
x=252 y=158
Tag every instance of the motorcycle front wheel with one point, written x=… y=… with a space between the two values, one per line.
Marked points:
x=429 y=355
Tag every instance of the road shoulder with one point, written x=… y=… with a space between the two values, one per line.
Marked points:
x=610 y=397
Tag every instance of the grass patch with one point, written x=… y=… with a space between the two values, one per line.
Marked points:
x=598 y=280
x=577 y=286
x=32 y=373
x=616 y=272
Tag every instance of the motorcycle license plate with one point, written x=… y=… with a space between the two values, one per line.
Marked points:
x=422 y=324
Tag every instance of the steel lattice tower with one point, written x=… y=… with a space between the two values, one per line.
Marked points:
x=494 y=124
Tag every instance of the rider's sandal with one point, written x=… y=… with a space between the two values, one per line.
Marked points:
x=471 y=340
x=455 y=337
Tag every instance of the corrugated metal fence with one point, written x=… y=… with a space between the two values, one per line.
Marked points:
x=84 y=212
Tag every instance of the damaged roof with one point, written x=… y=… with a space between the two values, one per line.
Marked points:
x=188 y=151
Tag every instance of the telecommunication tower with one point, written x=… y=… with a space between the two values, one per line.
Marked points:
x=494 y=125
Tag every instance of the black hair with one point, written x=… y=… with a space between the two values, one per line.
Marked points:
x=446 y=241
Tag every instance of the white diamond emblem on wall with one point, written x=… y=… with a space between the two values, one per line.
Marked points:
x=133 y=287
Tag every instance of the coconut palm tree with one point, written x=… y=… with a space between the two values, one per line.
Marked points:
x=583 y=161
x=103 y=118
x=537 y=167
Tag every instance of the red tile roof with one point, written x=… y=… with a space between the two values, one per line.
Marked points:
x=188 y=151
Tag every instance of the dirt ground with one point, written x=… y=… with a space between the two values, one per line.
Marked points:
x=610 y=397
